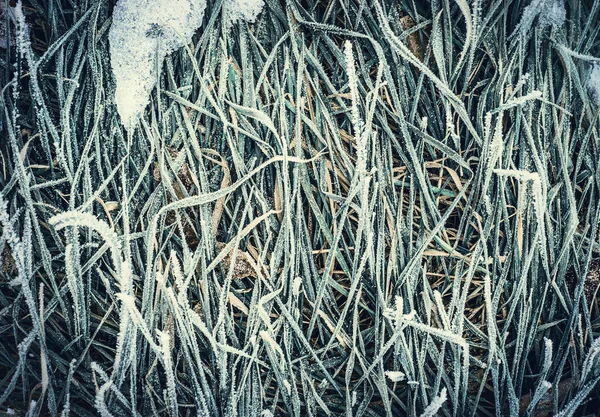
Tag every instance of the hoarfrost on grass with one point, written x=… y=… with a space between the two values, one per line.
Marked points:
x=383 y=195
x=22 y=33
x=3 y=28
x=436 y=404
x=142 y=34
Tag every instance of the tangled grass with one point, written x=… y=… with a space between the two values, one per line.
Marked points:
x=346 y=208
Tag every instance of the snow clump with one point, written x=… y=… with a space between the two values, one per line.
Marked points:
x=549 y=13
x=142 y=34
x=242 y=9
x=594 y=83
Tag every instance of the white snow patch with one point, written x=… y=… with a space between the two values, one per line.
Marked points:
x=242 y=9
x=297 y=285
x=395 y=376
x=594 y=83
x=549 y=13
x=142 y=34
x=553 y=13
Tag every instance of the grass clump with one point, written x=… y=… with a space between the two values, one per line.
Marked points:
x=342 y=208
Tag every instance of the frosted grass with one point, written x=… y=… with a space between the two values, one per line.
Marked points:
x=318 y=208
